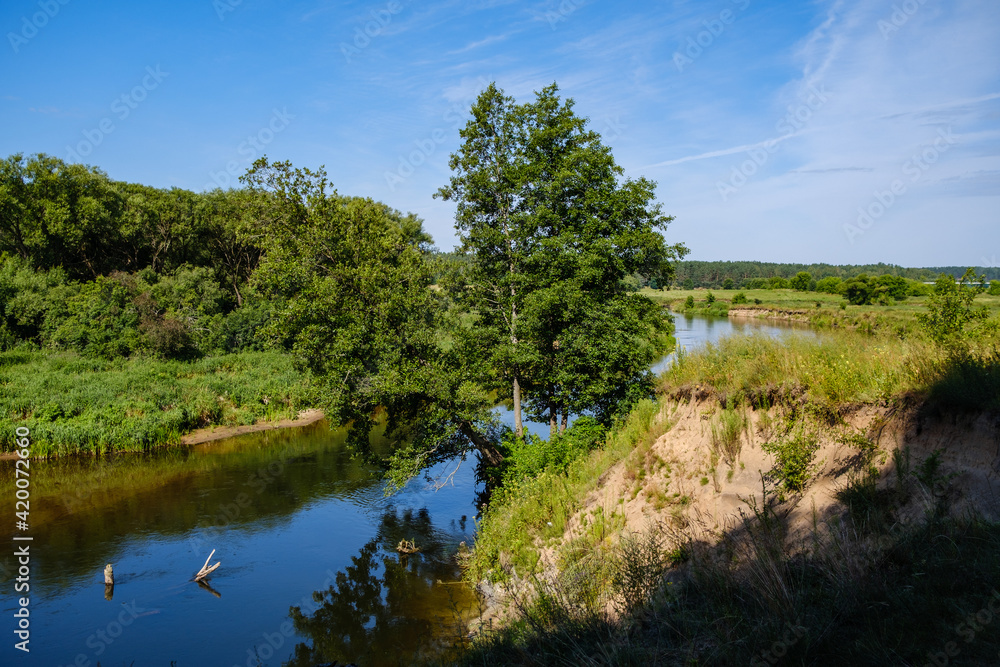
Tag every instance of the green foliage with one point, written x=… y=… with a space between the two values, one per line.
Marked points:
x=793 y=465
x=689 y=302
x=952 y=317
x=801 y=281
x=103 y=319
x=728 y=284
x=529 y=456
x=883 y=290
x=727 y=433
x=778 y=282
x=79 y=404
x=712 y=274
x=688 y=284
x=710 y=298
x=739 y=298
x=994 y=289
x=30 y=300
x=351 y=281
x=830 y=285
x=551 y=232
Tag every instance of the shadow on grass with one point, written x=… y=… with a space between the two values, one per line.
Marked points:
x=968 y=381
x=862 y=590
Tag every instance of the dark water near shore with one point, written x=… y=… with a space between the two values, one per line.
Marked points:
x=310 y=571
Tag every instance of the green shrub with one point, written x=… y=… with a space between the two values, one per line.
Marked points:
x=727 y=432
x=527 y=457
x=801 y=281
x=689 y=302
x=103 y=319
x=739 y=298
x=952 y=318
x=830 y=285
x=793 y=464
x=710 y=298
x=777 y=282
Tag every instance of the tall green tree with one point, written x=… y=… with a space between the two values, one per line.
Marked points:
x=353 y=282
x=489 y=186
x=552 y=233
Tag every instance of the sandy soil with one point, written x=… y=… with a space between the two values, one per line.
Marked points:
x=680 y=462
x=211 y=433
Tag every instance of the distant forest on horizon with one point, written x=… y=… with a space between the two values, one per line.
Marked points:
x=714 y=273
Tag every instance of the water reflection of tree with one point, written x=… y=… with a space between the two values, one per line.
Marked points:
x=386 y=608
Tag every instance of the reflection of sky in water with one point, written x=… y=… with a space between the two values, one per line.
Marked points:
x=691 y=332
x=282 y=544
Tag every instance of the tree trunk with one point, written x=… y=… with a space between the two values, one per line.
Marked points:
x=518 y=426
x=491 y=455
x=565 y=420
x=553 y=416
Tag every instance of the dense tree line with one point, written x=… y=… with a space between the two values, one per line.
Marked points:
x=115 y=269
x=691 y=274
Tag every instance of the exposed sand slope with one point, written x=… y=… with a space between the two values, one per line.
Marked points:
x=678 y=488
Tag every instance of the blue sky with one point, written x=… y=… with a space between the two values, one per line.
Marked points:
x=828 y=131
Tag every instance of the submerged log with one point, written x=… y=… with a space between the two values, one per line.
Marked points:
x=205 y=569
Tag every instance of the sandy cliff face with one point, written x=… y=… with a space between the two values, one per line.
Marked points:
x=680 y=486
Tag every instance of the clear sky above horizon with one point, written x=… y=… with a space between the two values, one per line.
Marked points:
x=832 y=131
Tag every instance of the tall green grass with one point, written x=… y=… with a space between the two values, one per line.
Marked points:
x=74 y=404
x=840 y=367
x=855 y=592
x=523 y=514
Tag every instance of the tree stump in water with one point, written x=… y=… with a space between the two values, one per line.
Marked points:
x=109 y=582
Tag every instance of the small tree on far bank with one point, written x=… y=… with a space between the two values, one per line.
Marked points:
x=952 y=317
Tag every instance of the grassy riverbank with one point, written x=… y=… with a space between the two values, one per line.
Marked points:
x=819 y=309
x=870 y=541
x=74 y=404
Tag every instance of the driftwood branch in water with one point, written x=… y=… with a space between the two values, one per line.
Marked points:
x=205 y=569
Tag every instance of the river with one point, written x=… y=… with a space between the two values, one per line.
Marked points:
x=310 y=572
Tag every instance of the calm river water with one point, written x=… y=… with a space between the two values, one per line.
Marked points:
x=310 y=572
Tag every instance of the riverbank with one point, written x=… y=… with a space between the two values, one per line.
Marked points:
x=835 y=503
x=211 y=433
x=819 y=309
x=79 y=405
